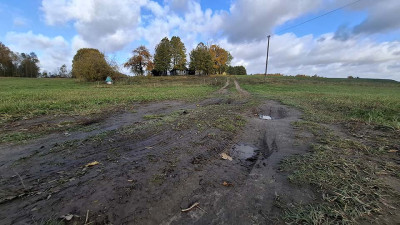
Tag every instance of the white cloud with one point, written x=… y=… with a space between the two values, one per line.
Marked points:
x=321 y=55
x=52 y=52
x=108 y=25
x=251 y=20
x=111 y=25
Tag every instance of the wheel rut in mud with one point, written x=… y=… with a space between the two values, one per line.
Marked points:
x=149 y=170
x=252 y=179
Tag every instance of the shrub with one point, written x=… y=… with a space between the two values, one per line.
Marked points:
x=89 y=64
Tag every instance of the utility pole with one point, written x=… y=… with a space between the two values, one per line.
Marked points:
x=266 y=63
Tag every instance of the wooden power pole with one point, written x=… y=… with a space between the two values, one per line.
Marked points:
x=266 y=63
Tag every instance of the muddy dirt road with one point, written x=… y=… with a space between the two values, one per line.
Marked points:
x=149 y=165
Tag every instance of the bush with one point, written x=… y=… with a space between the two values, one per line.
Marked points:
x=89 y=64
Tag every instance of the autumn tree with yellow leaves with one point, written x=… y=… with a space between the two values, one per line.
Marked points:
x=221 y=59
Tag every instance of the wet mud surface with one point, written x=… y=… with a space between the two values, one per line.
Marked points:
x=152 y=163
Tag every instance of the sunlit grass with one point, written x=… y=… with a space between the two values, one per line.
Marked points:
x=334 y=100
x=26 y=98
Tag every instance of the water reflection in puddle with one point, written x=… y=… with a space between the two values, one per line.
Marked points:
x=264 y=117
x=243 y=151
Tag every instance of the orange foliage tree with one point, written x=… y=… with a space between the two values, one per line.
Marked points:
x=221 y=58
x=141 y=61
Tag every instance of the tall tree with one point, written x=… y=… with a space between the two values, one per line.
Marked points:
x=162 y=57
x=201 y=60
x=220 y=58
x=141 y=61
x=28 y=65
x=90 y=64
x=6 y=61
x=178 y=54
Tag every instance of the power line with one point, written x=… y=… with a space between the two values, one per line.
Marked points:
x=297 y=25
x=332 y=11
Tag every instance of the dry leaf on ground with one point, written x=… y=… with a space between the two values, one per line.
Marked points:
x=92 y=164
x=226 y=156
x=226 y=184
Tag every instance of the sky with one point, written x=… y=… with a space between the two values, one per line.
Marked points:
x=361 y=40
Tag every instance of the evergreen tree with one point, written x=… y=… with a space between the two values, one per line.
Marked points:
x=162 y=57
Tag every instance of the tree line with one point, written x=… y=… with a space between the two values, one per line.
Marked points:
x=91 y=65
x=14 y=64
x=170 y=59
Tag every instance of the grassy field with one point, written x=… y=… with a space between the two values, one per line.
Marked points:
x=333 y=100
x=26 y=98
x=356 y=125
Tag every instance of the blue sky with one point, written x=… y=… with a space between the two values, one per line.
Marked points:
x=365 y=34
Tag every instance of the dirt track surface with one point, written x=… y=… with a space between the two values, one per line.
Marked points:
x=150 y=168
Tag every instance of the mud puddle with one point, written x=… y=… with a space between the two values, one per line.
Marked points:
x=150 y=175
x=10 y=152
x=244 y=152
x=244 y=190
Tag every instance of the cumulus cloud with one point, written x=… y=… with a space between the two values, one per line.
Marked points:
x=193 y=25
x=382 y=17
x=111 y=25
x=105 y=24
x=252 y=20
x=177 y=5
x=322 y=55
x=52 y=52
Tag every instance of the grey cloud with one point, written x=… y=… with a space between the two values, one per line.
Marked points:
x=178 y=5
x=252 y=20
x=382 y=17
x=343 y=33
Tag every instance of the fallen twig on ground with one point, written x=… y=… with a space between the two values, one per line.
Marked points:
x=190 y=208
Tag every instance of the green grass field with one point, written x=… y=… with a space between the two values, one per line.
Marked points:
x=27 y=98
x=355 y=124
x=346 y=169
x=333 y=100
